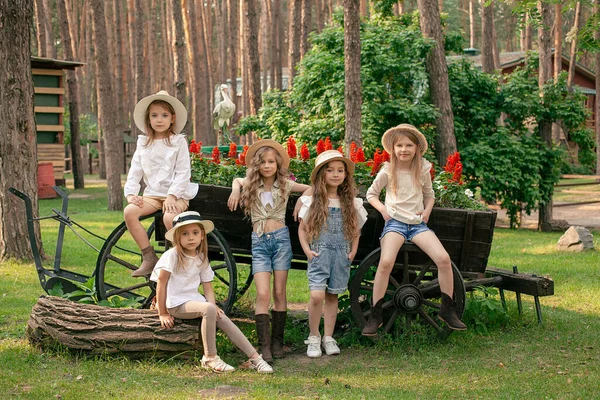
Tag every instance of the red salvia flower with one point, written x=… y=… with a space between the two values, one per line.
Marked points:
x=377 y=157
x=304 y=153
x=320 y=146
x=432 y=171
x=386 y=156
x=340 y=149
x=195 y=147
x=291 y=147
x=216 y=155
x=451 y=161
x=328 y=145
x=232 y=151
x=457 y=173
x=242 y=157
x=353 y=152
x=360 y=155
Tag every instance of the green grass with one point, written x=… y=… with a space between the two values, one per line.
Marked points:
x=557 y=360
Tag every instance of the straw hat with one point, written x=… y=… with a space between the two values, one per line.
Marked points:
x=285 y=159
x=187 y=218
x=139 y=112
x=328 y=156
x=386 y=140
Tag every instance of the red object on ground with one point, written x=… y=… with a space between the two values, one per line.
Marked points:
x=46 y=181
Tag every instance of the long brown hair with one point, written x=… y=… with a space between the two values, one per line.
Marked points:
x=149 y=131
x=202 y=248
x=415 y=165
x=319 y=208
x=254 y=178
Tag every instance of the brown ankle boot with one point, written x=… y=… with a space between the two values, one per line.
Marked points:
x=277 y=331
x=448 y=314
x=263 y=331
x=375 y=320
x=149 y=260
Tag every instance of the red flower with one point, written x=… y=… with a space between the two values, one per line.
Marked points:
x=353 y=152
x=457 y=174
x=304 y=153
x=432 y=171
x=242 y=156
x=377 y=158
x=232 y=151
x=195 y=147
x=360 y=155
x=216 y=154
x=291 y=147
x=451 y=161
x=328 y=145
x=340 y=149
x=320 y=146
x=386 y=156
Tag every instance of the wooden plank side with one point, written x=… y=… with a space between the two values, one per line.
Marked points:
x=50 y=128
x=50 y=110
x=42 y=71
x=49 y=90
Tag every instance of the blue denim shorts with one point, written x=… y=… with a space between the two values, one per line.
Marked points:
x=272 y=251
x=330 y=270
x=409 y=231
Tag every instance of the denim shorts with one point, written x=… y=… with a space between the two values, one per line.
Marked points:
x=272 y=251
x=409 y=231
x=330 y=270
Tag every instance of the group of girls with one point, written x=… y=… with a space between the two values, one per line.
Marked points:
x=331 y=217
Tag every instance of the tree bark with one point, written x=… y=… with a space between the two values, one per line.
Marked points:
x=251 y=36
x=438 y=79
x=573 y=53
x=597 y=107
x=18 y=151
x=221 y=9
x=277 y=41
x=40 y=19
x=138 y=48
x=295 y=20
x=471 y=24
x=558 y=34
x=50 y=45
x=232 y=8
x=76 y=161
x=487 y=37
x=179 y=58
x=352 y=89
x=56 y=321
x=106 y=110
x=305 y=22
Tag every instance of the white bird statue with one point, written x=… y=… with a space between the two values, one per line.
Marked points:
x=223 y=112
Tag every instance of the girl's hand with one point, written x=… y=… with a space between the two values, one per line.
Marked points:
x=136 y=200
x=385 y=215
x=311 y=254
x=351 y=255
x=220 y=313
x=424 y=215
x=166 y=320
x=170 y=205
x=234 y=199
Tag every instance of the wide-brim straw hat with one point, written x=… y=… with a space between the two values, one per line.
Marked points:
x=386 y=140
x=187 y=218
x=139 y=112
x=285 y=159
x=327 y=157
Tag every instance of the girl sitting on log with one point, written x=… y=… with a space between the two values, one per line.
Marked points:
x=179 y=273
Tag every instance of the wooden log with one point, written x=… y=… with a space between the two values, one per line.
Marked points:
x=136 y=333
x=523 y=283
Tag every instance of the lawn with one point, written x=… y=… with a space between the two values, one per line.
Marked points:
x=557 y=360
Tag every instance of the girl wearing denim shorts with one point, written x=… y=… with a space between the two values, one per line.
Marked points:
x=330 y=223
x=266 y=189
x=409 y=199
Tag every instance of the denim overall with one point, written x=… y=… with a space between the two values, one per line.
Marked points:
x=330 y=270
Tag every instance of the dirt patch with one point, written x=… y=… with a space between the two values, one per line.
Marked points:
x=586 y=215
x=223 y=392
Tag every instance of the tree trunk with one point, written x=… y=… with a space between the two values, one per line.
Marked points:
x=138 y=47
x=233 y=10
x=305 y=23
x=558 y=34
x=40 y=19
x=205 y=38
x=487 y=37
x=295 y=20
x=573 y=53
x=179 y=57
x=438 y=79
x=106 y=111
x=137 y=333
x=251 y=36
x=526 y=34
x=18 y=152
x=76 y=162
x=597 y=108
x=221 y=9
x=471 y=24
x=352 y=89
x=277 y=40
x=50 y=45
x=545 y=74
x=495 y=51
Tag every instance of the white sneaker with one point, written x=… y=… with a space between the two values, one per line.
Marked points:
x=330 y=346
x=314 y=346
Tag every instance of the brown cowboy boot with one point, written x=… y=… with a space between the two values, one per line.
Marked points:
x=149 y=260
x=375 y=320
x=263 y=331
x=277 y=331
x=448 y=314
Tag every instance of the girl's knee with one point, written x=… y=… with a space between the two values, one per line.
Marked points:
x=386 y=265
x=211 y=311
x=316 y=297
x=279 y=294
x=444 y=262
x=168 y=220
x=263 y=296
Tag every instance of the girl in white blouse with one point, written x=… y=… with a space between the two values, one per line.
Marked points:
x=409 y=199
x=162 y=161
x=179 y=273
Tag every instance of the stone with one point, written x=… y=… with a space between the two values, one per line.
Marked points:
x=576 y=238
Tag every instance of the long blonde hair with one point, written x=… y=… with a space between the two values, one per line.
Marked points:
x=149 y=131
x=415 y=165
x=202 y=248
x=319 y=208
x=254 y=178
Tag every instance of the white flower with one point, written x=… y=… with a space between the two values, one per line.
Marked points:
x=469 y=193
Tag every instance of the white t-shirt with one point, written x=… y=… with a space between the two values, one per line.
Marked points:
x=164 y=168
x=361 y=213
x=184 y=281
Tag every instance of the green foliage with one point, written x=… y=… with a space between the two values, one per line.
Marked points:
x=484 y=311
x=88 y=128
x=87 y=294
x=452 y=194
x=205 y=170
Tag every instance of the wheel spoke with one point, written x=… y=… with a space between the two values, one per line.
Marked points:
x=122 y=262
x=430 y=320
x=394 y=282
x=408 y=322
x=225 y=281
x=422 y=273
x=431 y=304
x=126 y=289
x=391 y=321
x=219 y=266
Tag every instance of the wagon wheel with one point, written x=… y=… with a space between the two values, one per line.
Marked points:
x=120 y=256
x=413 y=295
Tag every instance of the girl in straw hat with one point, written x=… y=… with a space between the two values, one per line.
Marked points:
x=409 y=200
x=330 y=223
x=266 y=189
x=179 y=273
x=162 y=161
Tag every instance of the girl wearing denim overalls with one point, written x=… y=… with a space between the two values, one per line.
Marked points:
x=330 y=223
x=266 y=191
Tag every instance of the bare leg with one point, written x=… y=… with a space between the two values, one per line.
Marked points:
x=279 y=290
x=132 y=214
x=262 y=280
x=390 y=246
x=431 y=245
x=331 y=311
x=315 y=309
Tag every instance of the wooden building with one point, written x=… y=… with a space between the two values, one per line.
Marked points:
x=49 y=87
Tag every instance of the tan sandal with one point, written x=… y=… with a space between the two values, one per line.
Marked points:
x=216 y=365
